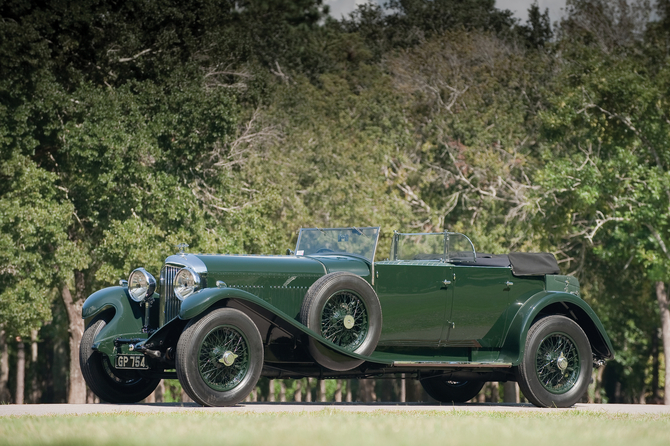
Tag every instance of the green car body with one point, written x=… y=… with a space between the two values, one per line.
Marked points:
x=452 y=318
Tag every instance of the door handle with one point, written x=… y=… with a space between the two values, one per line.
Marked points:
x=446 y=282
x=509 y=284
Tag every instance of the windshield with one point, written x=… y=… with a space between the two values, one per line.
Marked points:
x=444 y=246
x=358 y=241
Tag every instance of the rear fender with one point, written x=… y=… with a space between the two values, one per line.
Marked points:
x=546 y=303
x=200 y=302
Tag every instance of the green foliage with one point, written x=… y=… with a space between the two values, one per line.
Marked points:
x=129 y=127
x=537 y=31
x=34 y=248
x=605 y=184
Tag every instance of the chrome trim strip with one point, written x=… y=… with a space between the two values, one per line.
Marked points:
x=372 y=261
x=169 y=304
x=438 y=364
x=189 y=260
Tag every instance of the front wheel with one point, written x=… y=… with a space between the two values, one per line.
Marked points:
x=220 y=357
x=447 y=391
x=557 y=363
x=110 y=384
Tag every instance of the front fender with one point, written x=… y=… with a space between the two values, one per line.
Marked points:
x=125 y=317
x=199 y=302
x=515 y=340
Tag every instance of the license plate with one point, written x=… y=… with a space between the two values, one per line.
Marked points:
x=131 y=362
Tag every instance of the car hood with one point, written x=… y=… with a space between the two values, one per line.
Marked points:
x=275 y=270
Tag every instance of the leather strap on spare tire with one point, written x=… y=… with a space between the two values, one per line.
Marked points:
x=343 y=308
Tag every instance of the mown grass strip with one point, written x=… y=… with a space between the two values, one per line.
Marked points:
x=335 y=427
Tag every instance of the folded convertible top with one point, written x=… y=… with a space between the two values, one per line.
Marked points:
x=522 y=263
x=533 y=263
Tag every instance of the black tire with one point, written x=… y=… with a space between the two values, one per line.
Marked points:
x=350 y=295
x=446 y=391
x=204 y=349
x=557 y=363
x=111 y=385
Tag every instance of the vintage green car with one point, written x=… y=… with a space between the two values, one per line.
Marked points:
x=435 y=310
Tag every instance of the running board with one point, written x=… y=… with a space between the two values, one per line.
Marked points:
x=440 y=364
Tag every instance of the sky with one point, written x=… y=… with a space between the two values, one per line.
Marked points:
x=519 y=7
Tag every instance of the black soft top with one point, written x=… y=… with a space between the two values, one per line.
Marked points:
x=522 y=263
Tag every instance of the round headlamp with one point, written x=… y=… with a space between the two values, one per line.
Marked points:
x=141 y=285
x=186 y=282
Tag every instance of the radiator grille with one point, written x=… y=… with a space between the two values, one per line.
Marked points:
x=169 y=303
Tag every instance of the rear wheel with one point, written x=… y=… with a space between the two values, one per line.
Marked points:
x=110 y=384
x=220 y=358
x=447 y=391
x=557 y=363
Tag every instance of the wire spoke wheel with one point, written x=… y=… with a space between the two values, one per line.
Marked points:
x=344 y=309
x=219 y=357
x=344 y=320
x=557 y=363
x=223 y=358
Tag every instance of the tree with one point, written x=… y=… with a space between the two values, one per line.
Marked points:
x=607 y=187
x=537 y=31
x=472 y=98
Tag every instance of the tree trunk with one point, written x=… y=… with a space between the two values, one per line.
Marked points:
x=338 y=391
x=297 y=396
x=481 y=398
x=322 y=390
x=366 y=390
x=348 y=397
x=91 y=398
x=655 y=371
x=4 y=368
x=597 y=398
x=282 y=391
x=494 y=391
x=77 y=390
x=386 y=391
x=403 y=388
x=35 y=391
x=308 y=390
x=510 y=392
x=271 y=390
x=20 y=371
x=662 y=297
x=160 y=392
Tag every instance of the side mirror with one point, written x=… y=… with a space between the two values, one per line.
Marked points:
x=289 y=252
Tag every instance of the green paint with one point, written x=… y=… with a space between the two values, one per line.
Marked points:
x=124 y=316
x=414 y=301
x=432 y=310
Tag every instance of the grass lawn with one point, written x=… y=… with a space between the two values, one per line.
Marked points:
x=334 y=427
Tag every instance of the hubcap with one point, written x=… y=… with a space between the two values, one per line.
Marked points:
x=228 y=358
x=562 y=363
x=557 y=363
x=344 y=320
x=223 y=358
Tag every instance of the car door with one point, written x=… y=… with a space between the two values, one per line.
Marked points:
x=415 y=297
x=481 y=297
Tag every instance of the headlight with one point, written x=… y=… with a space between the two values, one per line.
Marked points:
x=186 y=282
x=141 y=285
